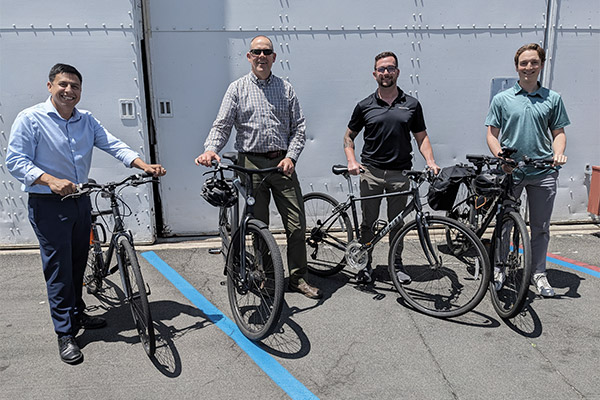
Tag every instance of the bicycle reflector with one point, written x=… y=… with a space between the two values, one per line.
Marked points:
x=219 y=192
x=488 y=183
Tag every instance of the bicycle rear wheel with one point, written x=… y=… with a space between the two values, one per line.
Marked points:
x=513 y=257
x=256 y=297
x=444 y=283
x=136 y=296
x=327 y=234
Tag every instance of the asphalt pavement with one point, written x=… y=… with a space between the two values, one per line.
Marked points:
x=358 y=342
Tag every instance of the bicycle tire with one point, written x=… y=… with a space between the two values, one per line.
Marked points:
x=257 y=303
x=447 y=289
x=92 y=277
x=136 y=296
x=515 y=254
x=325 y=245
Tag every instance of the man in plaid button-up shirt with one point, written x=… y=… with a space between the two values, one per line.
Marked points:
x=270 y=128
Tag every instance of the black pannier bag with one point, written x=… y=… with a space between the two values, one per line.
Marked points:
x=444 y=187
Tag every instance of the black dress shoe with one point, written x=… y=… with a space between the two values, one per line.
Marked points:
x=69 y=350
x=88 y=322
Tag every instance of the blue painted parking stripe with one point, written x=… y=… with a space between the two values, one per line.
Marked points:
x=576 y=265
x=281 y=376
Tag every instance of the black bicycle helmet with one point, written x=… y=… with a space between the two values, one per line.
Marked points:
x=488 y=183
x=219 y=192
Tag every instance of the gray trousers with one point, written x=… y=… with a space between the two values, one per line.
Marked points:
x=377 y=181
x=541 y=191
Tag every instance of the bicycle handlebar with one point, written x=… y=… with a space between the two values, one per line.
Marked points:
x=480 y=160
x=92 y=186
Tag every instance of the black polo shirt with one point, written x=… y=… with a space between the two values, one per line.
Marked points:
x=387 y=130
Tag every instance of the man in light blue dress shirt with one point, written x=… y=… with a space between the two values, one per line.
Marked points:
x=50 y=152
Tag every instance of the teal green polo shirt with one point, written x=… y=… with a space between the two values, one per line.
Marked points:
x=526 y=120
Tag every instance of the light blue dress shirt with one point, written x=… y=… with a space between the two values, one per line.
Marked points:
x=41 y=141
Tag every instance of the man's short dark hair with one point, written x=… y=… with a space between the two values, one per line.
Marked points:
x=384 y=55
x=63 y=69
x=530 y=46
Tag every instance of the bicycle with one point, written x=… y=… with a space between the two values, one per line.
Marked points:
x=135 y=291
x=442 y=284
x=253 y=263
x=488 y=195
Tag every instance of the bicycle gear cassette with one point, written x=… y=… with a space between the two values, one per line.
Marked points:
x=356 y=256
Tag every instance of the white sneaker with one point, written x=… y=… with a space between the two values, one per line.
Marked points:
x=499 y=278
x=541 y=284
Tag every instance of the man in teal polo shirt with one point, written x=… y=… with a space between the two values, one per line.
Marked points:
x=531 y=119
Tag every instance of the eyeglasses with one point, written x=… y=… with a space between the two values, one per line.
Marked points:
x=391 y=69
x=256 y=52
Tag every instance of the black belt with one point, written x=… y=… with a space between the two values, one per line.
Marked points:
x=269 y=154
x=45 y=196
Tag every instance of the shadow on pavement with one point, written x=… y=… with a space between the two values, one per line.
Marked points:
x=120 y=326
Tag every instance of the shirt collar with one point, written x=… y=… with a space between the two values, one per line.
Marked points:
x=255 y=79
x=518 y=90
x=50 y=109
x=399 y=99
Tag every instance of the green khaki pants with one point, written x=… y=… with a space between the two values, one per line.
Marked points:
x=377 y=181
x=288 y=200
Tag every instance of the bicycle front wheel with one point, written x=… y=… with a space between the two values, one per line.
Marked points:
x=512 y=261
x=443 y=283
x=136 y=295
x=92 y=277
x=256 y=291
x=327 y=234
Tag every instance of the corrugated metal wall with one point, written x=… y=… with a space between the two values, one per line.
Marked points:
x=449 y=53
x=101 y=39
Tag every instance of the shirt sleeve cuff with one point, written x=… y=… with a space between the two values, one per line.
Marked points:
x=129 y=159
x=32 y=175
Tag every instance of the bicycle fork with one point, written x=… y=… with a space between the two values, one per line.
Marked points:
x=425 y=240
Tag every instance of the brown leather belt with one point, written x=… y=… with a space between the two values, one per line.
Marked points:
x=269 y=154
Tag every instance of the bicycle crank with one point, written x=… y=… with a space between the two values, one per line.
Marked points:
x=356 y=255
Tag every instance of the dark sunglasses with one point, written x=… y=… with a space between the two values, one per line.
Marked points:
x=391 y=69
x=256 y=52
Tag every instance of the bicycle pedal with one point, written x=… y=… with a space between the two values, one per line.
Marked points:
x=113 y=270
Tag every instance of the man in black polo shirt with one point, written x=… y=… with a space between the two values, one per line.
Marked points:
x=388 y=116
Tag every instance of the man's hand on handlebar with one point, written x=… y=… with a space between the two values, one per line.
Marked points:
x=434 y=167
x=559 y=159
x=206 y=158
x=287 y=166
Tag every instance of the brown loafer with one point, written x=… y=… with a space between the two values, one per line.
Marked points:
x=309 y=291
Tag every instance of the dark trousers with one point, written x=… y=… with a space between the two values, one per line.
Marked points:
x=288 y=200
x=63 y=230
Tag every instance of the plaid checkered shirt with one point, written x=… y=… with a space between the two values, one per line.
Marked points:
x=266 y=115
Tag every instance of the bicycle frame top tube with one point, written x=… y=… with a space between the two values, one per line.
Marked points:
x=413 y=204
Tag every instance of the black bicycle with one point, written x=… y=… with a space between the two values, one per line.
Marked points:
x=442 y=283
x=136 y=292
x=486 y=195
x=253 y=264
